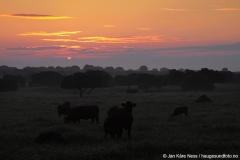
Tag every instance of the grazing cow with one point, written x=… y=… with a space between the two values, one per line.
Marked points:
x=83 y=112
x=119 y=119
x=203 y=98
x=114 y=125
x=127 y=110
x=50 y=136
x=132 y=91
x=64 y=109
x=180 y=110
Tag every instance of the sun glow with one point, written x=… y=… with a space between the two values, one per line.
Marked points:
x=43 y=33
x=36 y=16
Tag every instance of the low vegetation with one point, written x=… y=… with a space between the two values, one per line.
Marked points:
x=30 y=127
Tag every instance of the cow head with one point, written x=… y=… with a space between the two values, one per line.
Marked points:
x=66 y=104
x=67 y=120
x=128 y=105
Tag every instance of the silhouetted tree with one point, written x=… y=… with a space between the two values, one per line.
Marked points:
x=120 y=80
x=229 y=77
x=109 y=69
x=143 y=69
x=237 y=78
x=161 y=81
x=83 y=81
x=48 y=78
x=189 y=72
x=78 y=81
x=75 y=68
x=197 y=82
x=225 y=69
x=99 y=68
x=146 y=81
x=104 y=78
x=51 y=68
x=214 y=76
x=164 y=70
x=7 y=85
x=132 y=79
x=88 y=67
x=19 y=80
x=155 y=70
x=175 y=77
x=119 y=69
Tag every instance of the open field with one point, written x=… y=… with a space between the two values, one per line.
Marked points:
x=210 y=128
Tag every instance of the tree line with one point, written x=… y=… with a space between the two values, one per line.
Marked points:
x=189 y=80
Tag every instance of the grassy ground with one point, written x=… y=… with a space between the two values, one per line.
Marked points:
x=210 y=128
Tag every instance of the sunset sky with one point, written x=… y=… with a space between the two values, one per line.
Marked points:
x=188 y=34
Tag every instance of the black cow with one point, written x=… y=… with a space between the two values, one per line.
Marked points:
x=180 y=110
x=127 y=110
x=119 y=119
x=49 y=137
x=114 y=125
x=83 y=112
x=132 y=91
x=64 y=109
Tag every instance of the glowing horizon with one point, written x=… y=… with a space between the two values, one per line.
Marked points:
x=92 y=29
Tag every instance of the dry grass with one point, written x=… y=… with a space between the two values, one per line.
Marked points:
x=210 y=128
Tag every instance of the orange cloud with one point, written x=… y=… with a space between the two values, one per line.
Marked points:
x=144 y=29
x=60 y=40
x=61 y=33
x=108 y=26
x=36 y=16
x=133 y=39
x=227 y=9
x=176 y=9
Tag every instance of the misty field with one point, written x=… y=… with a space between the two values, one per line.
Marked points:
x=210 y=128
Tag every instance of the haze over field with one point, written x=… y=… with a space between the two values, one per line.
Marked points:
x=168 y=33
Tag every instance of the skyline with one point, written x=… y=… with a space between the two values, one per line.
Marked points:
x=190 y=34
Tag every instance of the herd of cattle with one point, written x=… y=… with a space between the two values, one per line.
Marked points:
x=119 y=118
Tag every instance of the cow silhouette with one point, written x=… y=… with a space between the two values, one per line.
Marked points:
x=119 y=119
x=49 y=137
x=83 y=112
x=180 y=110
x=64 y=109
x=126 y=110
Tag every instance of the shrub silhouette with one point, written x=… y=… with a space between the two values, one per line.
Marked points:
x=203 y=98
x=7 y=85
x=197 y=82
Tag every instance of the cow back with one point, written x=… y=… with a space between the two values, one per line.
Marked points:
x=180 y=110
x=64 y=109
x=83 y=112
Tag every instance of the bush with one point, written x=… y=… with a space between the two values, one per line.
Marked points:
x=7 y=85
x=197 y=82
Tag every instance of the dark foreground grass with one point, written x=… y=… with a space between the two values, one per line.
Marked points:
x=210 y=128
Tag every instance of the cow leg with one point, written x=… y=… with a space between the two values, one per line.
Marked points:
x=129 y=133
x=97 y=119
x=105 y=136
x=120 y=132
x=92 y=120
